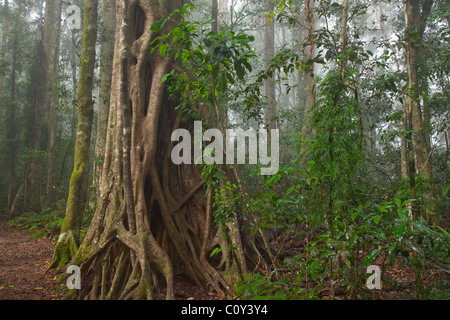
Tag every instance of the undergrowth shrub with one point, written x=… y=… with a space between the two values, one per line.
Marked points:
x=337 y=259
x=41 y=225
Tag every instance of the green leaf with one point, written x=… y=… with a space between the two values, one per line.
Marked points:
x=158 y=25
x=377 y=219
x=399 y=230
x=215 y=251
x=372 y=255
x=186 y=7
x=392 y=248
x=379 y=234
x=164 y=78
x=162 y=50
x=247 y=65
x=353 y=237
x=239 y=70
x=444 y=190
x=209 y=21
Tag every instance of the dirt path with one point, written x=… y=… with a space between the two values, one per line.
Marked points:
x=23 y=265
x=24 y=262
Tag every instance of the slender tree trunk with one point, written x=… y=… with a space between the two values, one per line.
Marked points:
x=308 y=80
x=5 y=32
x=269 y=83
x=416 y=17
x=54 y=67
x=404 y=146
x=106 y=59
x=344 y=20
x=70 y=231
x=215 y=16
x=10 y=123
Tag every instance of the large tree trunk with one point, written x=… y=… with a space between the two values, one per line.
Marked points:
x=79 y=181
x=152 y=218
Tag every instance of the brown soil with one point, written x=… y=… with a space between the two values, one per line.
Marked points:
x=24 y=263
x=23 y=266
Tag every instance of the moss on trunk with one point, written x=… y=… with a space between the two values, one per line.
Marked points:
x=79 y=181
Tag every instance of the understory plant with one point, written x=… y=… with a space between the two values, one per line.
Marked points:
x=336 y=261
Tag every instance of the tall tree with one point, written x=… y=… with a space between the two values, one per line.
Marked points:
x=308 y=80
x=33 y=172
x=416 y=14
x=10 y=124
x=107 y=37
x=270 y=113
x=79 y=181
x=5 y=31
x=215 y=15
x=146 y=223
x=52 y=99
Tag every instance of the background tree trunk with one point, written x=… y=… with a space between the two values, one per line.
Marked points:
x=269 y=53
x=10 y=123
x=308 y=84
x=5 y=32
x=54 y=68
x=33 y=173
x=215 y=15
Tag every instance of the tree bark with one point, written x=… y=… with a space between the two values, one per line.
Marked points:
x=106 y=60
x=10 y=123
x=52 y=98
x=152 y=219
x=215 y=16
x=70 y=231
x=269 y=83
x=34 y=171
x=308 y=80
x=416 y=17
x=5 y=32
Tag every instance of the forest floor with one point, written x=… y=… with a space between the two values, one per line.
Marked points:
x=24 y=275
x=24 y=263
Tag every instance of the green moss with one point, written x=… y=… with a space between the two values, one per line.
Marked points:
x=145 y=288
x=65 y=250
x=232 y=277
x=75 y=175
